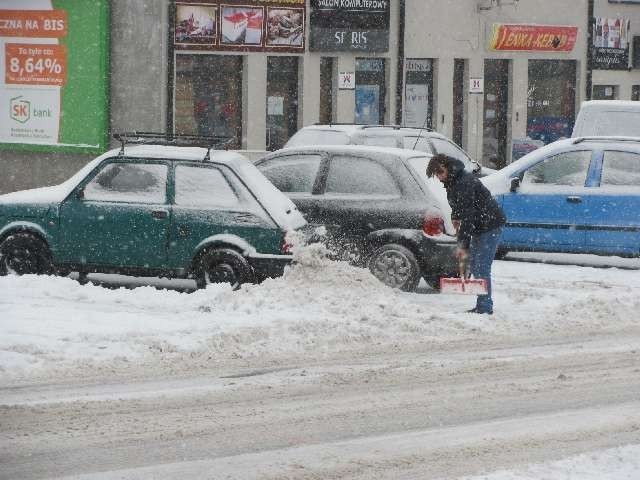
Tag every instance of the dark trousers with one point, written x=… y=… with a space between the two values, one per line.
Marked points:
x=482 y=251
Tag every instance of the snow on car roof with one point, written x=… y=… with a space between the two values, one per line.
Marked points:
x=612 y=103
x=58 y=193
x=370 y=150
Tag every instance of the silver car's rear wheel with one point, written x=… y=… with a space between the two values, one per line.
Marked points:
x=395 y=266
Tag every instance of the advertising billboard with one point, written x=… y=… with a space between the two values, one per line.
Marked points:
x=349 y=25
x=533 y=38
x=610 y=43
x=54 y=58
x=245 y=25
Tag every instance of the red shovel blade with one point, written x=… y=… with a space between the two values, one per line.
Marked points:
x=469 y=286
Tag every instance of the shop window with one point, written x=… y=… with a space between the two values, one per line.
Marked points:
x=370 y=91
x=459 y=66
x=605 y=92
x=635 y=92
x=208 y=96
x=636 y=52
x=496 y=107
x=327 y=69
x=551 y=99
x=282 y=100
x=418 y=93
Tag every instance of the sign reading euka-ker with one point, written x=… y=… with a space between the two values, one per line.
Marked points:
x=349 y=25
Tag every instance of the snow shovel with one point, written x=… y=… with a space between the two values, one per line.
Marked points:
x=463 y=285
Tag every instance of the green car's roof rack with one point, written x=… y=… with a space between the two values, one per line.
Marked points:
x=210 y=142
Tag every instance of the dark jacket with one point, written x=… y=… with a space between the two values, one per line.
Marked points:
x=471 y=203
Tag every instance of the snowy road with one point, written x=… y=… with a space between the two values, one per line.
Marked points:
x=321 y=375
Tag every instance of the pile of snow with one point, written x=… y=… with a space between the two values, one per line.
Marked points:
x=319 y=307
x=622 y=463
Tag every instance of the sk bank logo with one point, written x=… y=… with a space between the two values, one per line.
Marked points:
x=20 y=110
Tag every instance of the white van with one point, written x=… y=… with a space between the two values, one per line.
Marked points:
x=608 y=117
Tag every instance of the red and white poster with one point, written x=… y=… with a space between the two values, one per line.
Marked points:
x=533 y=38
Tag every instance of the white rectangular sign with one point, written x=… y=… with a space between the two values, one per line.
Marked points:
x=476 y=85
x=347 y=80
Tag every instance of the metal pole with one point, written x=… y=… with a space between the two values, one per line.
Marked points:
x=590 y=23
x=400 y=73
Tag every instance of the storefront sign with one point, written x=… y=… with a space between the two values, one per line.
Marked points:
x=54 y=77
x=240 y=25
x=418 y=65
x=533 y=38
x=347 y=80
x=349 y=25
x=476 y=85
x=610 y=43
x=416 y=105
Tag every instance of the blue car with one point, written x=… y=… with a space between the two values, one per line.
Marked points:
x=578 y=195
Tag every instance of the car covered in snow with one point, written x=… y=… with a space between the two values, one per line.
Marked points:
x=156 y=208
x=420 y=139
x=608 y=117
x=577 y=195
x=376 y=205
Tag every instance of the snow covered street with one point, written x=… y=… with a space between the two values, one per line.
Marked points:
x=324 y=373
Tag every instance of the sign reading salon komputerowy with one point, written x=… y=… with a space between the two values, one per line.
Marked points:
x=53 y=74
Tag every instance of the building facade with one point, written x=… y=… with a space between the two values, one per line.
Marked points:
x=497 y=76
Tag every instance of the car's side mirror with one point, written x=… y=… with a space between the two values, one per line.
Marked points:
x=515 y=184
x=80 y=193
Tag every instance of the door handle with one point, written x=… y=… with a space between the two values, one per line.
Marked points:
x=574 y=199
x=159 y=214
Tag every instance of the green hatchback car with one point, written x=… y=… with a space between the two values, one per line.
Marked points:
x=153 y=210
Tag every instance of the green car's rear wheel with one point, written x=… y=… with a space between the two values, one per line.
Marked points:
x=23 y=253
x=223 y=265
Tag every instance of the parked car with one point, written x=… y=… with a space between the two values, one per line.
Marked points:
x=153 y=210
x=377 y=205
x=578 y=195
x=420 y=139
x=608 y=117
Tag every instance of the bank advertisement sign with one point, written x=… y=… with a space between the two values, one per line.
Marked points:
x=240 y=25
x=610 y=43
x=54 y=74
x=349 y=25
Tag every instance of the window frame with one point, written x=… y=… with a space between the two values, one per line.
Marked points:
x=602 y=165
x=390 y=172
x=79 y=191
x=594 y=154
x=317 y=182
x=239 y=205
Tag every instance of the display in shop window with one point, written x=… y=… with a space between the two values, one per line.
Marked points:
x=196 y=24
x=242 y=25
x=285 y=27
x=235 y=25
x=610 y=43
